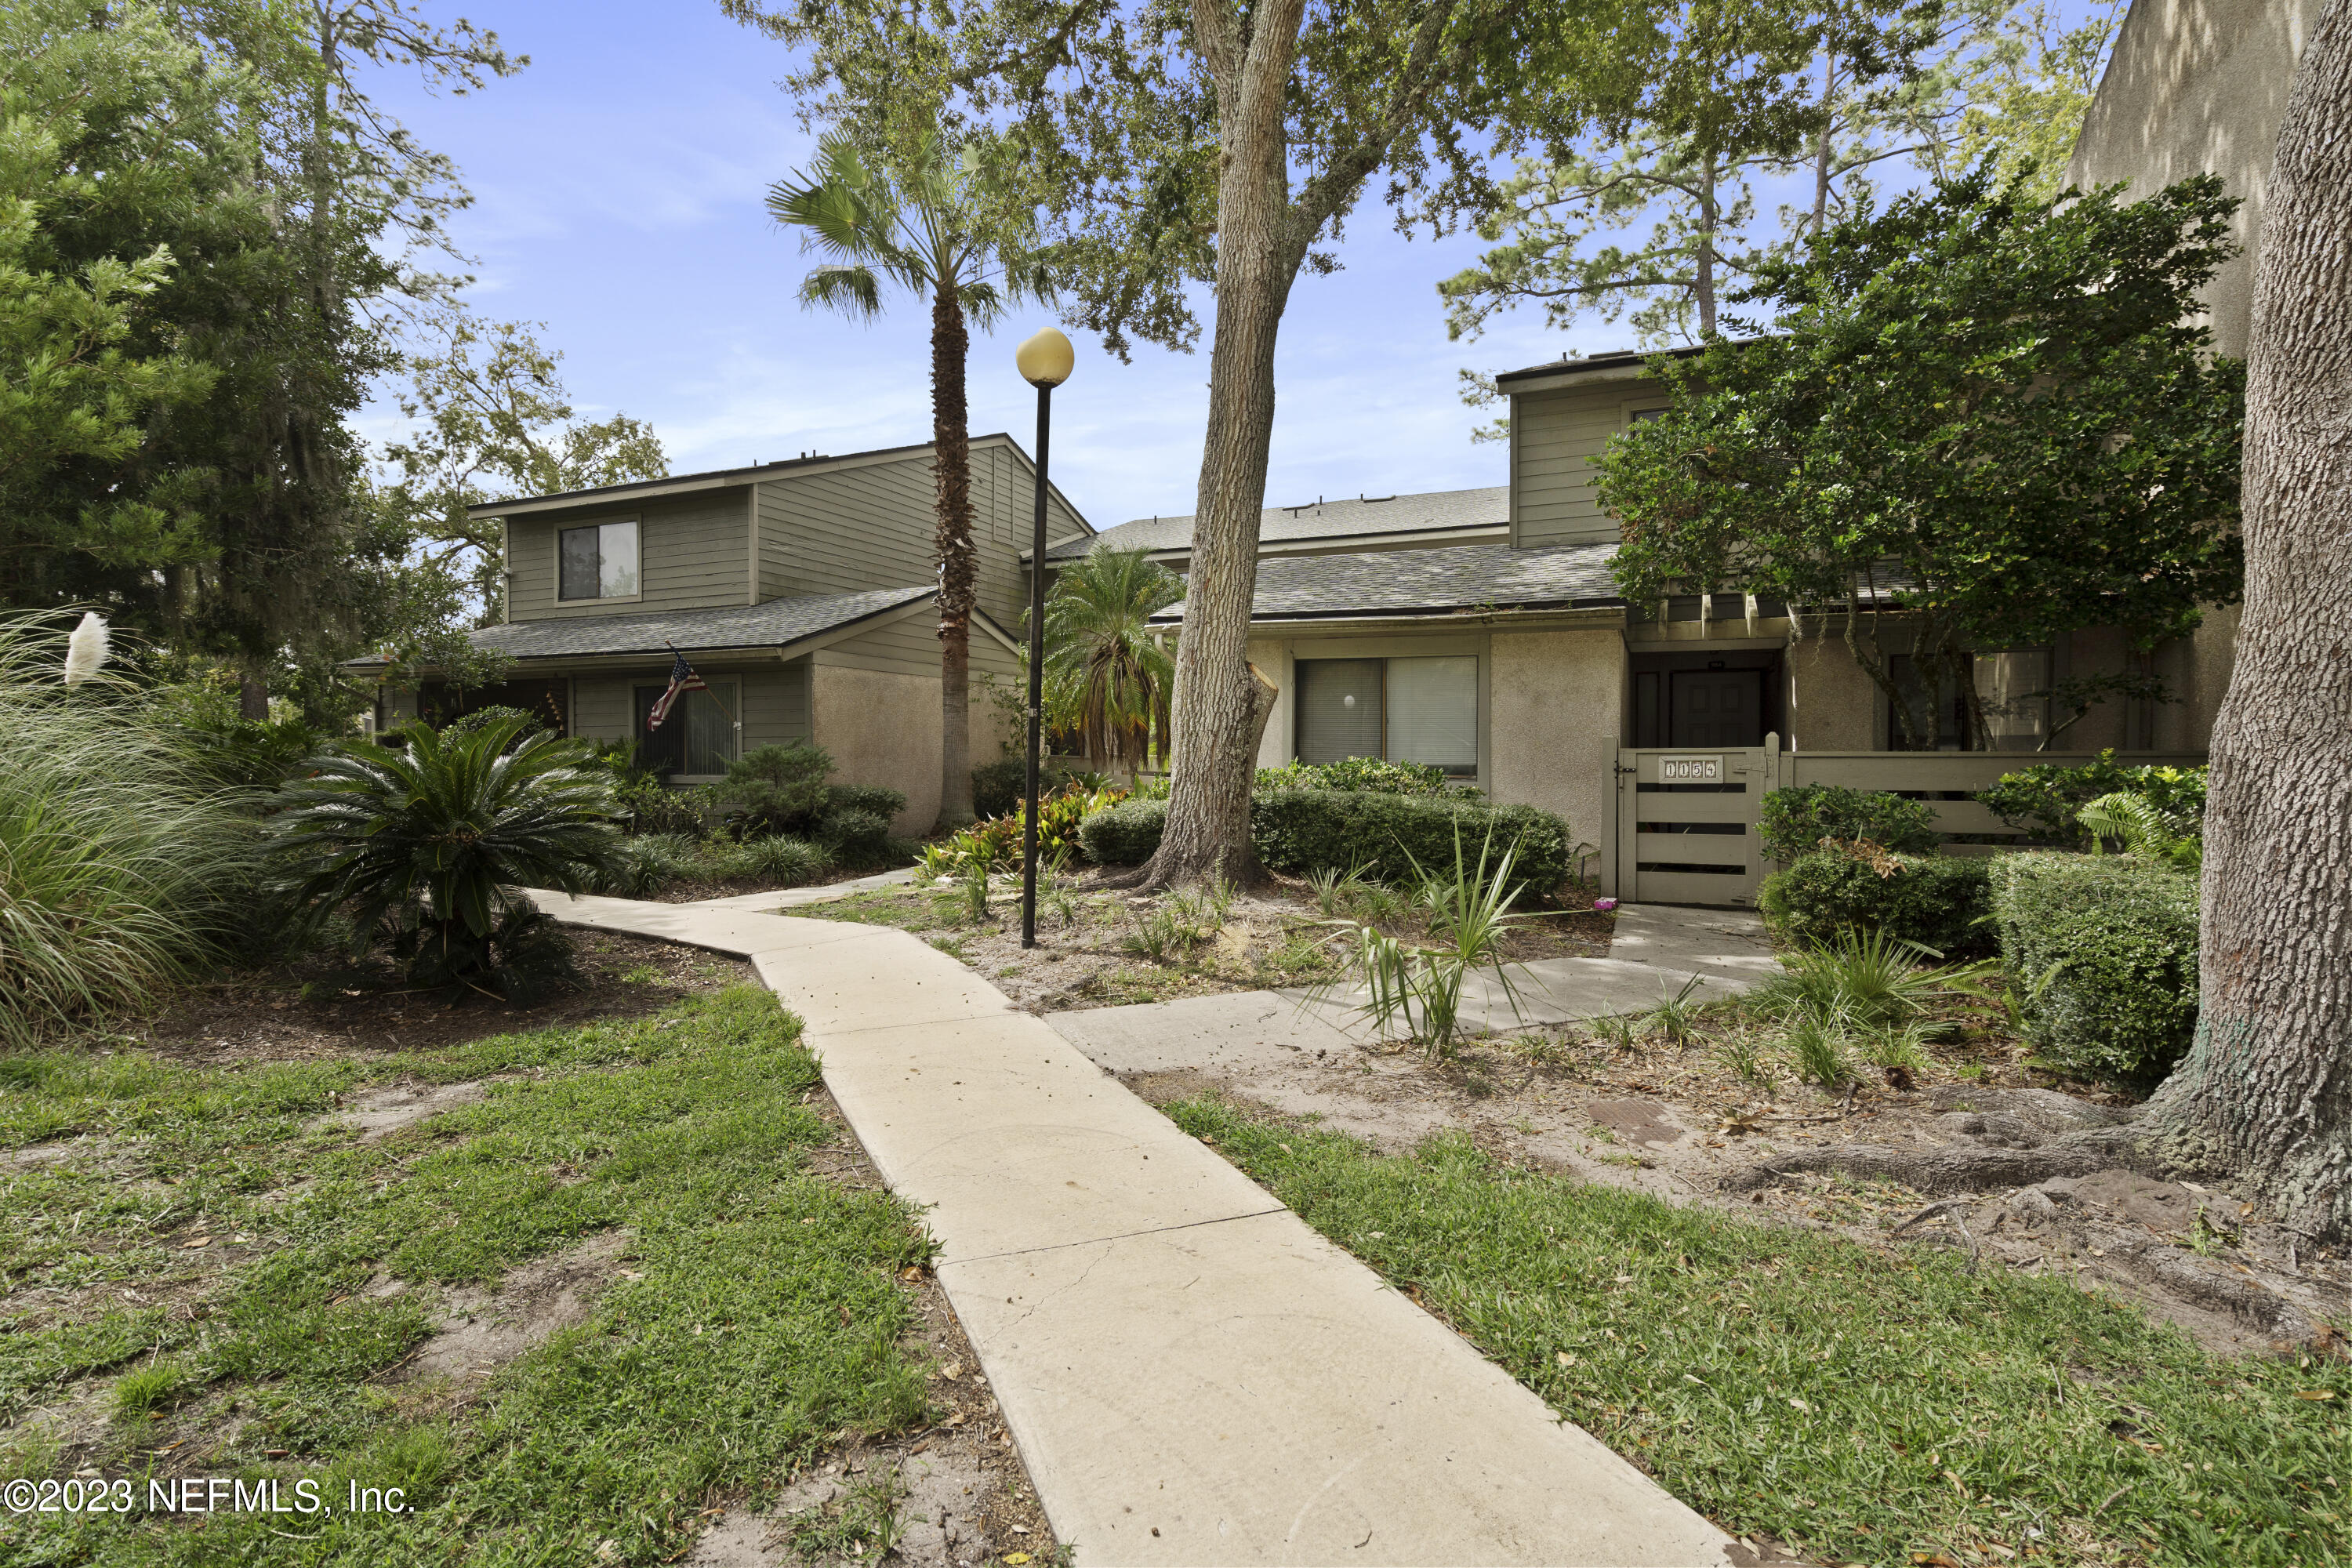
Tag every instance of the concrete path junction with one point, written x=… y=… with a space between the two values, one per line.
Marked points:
x=1191 y=1373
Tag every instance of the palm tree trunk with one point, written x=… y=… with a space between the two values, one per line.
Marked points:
x=2266 y=1093
x=951 y=479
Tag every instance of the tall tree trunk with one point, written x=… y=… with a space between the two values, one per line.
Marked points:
x=2266 y=1093
x=1258 y=254
x=1821 y=143
x=951 y=479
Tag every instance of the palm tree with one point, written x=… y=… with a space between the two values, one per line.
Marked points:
x=936 y=224
x=1104 y=664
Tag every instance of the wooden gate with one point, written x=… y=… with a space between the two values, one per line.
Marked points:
x=1687 y=818
x=1686 y=823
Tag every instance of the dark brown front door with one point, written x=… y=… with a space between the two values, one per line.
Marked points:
x=1717 y=707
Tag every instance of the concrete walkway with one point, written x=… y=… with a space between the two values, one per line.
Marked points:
x=1656 y=950
x=1193 y=1375
x=792 y=897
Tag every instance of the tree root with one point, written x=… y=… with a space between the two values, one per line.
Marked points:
x=1939 y=1171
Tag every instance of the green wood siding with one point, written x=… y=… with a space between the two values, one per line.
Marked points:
x=774 y=697
x=904 y=645
x=693 y=553
x=1554 y=437
x=872 y=525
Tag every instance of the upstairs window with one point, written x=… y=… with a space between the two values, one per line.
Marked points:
x=599 y=562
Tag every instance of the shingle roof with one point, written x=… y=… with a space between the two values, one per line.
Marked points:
x=1399 y=582
x=776 y=623
x=1336 y=519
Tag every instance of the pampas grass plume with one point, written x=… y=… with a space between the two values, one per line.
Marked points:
x=87 y=650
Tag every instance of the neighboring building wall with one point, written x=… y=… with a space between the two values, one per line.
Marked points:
x=1557 y=701
x=2196 y=86
x=2193 y=86
x=1554 y=436
x=693 y=553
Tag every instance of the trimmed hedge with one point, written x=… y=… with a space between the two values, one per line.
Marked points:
x=1937 y=901
x=2117 y=937
x=1126 y=835
x=1316 y=829
x=1793 y=822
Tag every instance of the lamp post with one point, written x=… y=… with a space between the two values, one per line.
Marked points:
x=1045 y=360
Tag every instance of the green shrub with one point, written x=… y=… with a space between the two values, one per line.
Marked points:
x=873 y=799
x=648 y=806
x=777 y=859
x=1939 y=902
x=1793 y=822
x=430 y=845
x=996 y=786
x=1364 y=774
x=1302 y=830
x=2105 y=948
x=124 y=864
x=1127 y=834
x=780 y=789
x=2043 y=799
x=856 y=838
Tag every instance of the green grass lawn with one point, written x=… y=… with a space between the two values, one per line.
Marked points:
x=1865 y=1406
x=757 y=1319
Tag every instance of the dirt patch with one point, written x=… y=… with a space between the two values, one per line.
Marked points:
x=1100 y=947
x=486 y=1329
x=1634 y=1120
x=956 y=1489
x=379 y=1111
x=319 y=1009
x=1680 y=1125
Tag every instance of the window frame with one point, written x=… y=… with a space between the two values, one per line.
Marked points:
x=1475 y=772
x=633 y=519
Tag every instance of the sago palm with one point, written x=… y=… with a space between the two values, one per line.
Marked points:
x=937 y=224
x=1106 y=667
x=428 y=849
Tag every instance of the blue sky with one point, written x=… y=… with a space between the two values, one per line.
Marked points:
x=618 y=186
x=618 y=182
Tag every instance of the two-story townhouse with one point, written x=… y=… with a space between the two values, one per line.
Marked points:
x=1482 y=631
x=805 y=592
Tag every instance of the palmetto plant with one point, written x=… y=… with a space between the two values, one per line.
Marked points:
x=427 y=847
x=1469 y=914
x=934 y=222
x=1105 y=666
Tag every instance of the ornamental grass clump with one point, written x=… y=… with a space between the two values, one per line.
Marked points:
x=428 y=849
x=120 y=859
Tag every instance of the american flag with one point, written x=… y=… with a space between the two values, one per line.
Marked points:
x=682 y=680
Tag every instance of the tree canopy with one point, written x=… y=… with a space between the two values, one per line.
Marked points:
x=1981 y=421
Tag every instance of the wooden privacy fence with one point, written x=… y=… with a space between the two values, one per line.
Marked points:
x=1687 y=817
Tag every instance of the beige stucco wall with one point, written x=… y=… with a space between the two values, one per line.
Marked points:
x=1272 y=656
x=882 y=728
x=1831 y=704
x=2198 y=86
x=1557 y=702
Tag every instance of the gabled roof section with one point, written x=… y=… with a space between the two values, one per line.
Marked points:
x=775 y=624
x=1343 y=518
x=1431 y=581
x=1617 y=364
x=724 y=478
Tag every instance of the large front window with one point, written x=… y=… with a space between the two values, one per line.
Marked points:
x=599 y=562
x=697 y=738
x=1401 y=709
